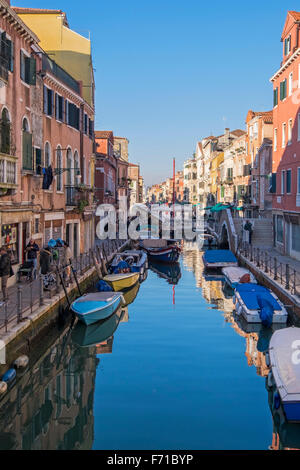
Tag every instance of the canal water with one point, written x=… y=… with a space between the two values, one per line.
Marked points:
x=172 y=370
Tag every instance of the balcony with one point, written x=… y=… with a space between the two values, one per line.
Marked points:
x=78 y=196
x=8 y=171
x=50 y=66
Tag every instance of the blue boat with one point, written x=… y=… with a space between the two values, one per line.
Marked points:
x=257 y=304
x=90 y=308
x=283 y=358
x=162 y=251
x=219 y=259
x=86 y=336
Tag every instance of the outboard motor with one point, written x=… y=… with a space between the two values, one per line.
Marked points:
x=266 y=311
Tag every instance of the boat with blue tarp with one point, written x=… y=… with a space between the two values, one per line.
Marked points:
x=90 y=308
x=257 y=304
x=219 y=259
x=136 y=260
x=236 y=275
x=283 y=358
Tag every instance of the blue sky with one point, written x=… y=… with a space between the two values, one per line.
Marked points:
x=170 y=72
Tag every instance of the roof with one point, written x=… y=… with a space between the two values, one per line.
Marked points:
x=295 y=15
x=104 y=134
x=40 y=11
x=266 y=115
x=120 y=138
x=238 y=132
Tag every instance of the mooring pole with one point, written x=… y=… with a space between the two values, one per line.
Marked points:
x=76 y=279
x=63 y=284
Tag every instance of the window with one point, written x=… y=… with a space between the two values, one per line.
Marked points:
x=91 y=128
x=295 y=237
x=287 y=45
x=76 y=167
x=279 y=228
x=26 y=146
x=36 y=225
x=5 y=132
x=72 y=115
x=38 y=161
x=59 y=167
x=288 y=181
x=282 y=181
x=7 y=53
x=86 y=124
x=283 y=134
x=290 y=131
x=47 y=155
x=59 y=108
x=48 y=101
x=283 y=87
x=275 y=97
x=27 y=69
x=275 y=140
x=290 y=83
x=255 y=130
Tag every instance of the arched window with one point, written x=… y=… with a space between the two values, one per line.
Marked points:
x=47 y=155
x=59 y=168
x=76 y=168
x=69 y=167
x=27 y=146
x=5 y=132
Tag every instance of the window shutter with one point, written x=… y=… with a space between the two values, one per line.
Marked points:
x=56 y=107
x=27 y=151
x=32 y=71
x=11 y=65
x=22 y=66
x=45 y=99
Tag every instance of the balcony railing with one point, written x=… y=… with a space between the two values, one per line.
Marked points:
x=77 y=196
x=8 y=171
x=50 y=66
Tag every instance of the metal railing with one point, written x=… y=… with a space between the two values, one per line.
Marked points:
x=283 y=273
x=26 y=296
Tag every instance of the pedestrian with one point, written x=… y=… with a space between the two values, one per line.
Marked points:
x=67 y=259
x=5 y=271
x=32 y=250
x=45 y=264
x=248 y=228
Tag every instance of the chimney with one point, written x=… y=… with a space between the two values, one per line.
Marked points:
x=227 y=131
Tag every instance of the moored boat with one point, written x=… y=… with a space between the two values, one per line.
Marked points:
x=257 y=304
x=235 y=275
x=163 y=251
x=283 y=358
x=90 y=308
x=135 y=259
x=92 y=335
x=122 y=281
x=219 y=259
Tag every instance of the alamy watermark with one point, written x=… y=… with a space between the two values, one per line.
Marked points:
x=141 y=222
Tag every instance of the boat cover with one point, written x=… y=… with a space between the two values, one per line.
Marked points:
x=88 y=303
x=235 y=273
x=284 y=355
x=217 y=256
x=253 y=295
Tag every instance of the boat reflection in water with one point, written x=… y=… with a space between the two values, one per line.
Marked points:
x=170 y=272
x=51 y=404
x=286 y=436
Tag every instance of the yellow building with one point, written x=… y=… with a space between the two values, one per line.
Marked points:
x=68 y=49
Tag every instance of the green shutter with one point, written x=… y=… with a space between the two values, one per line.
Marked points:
x=32 y=71
x=27 y=151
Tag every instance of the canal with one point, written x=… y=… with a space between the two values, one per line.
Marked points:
x=172 y=370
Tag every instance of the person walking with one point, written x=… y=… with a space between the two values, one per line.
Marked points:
x=5 y=271
x=67 y=260
x=248 y=228
x=32 y=250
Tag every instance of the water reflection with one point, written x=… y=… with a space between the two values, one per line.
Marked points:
x=257 y=337
x=51 y=404
x=170 y=272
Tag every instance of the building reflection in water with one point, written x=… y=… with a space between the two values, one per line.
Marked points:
x=257 y=338
x=51 y=405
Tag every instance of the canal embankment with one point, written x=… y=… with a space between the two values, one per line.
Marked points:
x=279 y=273
x=31 y=311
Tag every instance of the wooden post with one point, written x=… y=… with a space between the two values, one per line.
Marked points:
x=97 y=266
x=275 y=270
x=19 y=304
x=258 y=260
x=41 y=286
x=287 y=276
